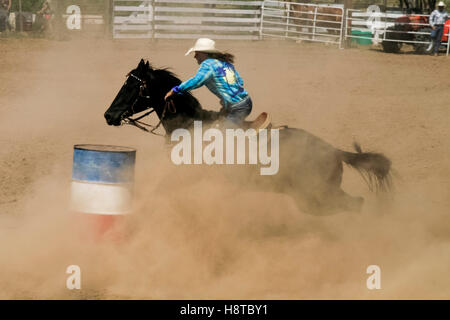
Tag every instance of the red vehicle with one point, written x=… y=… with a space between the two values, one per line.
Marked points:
x=404 y=25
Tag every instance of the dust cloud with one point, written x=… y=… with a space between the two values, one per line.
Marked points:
x=193 y=234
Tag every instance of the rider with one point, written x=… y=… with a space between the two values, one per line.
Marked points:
x=437 y=21
x=219 y=75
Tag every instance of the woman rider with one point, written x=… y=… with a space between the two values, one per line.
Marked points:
x=221 y=78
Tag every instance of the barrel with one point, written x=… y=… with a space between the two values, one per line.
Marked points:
x=102 y=185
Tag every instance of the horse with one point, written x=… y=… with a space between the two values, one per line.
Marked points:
x=310 y=169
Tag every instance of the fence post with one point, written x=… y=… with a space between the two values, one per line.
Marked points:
x=288 y=7
x=314 y=24
x=348 y=4
x=346 y=37
x=262 y=21
x=342 y=27
x=107 y=17
x=20 y=16
x=153 y=13
x=448 y=41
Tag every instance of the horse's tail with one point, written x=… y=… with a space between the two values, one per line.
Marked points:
x=374 y=167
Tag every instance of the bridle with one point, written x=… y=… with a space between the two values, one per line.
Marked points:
x=125 y=119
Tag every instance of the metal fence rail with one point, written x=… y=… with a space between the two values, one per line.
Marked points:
x=188 y=19
x=252 y=20
x=302 y=21
x=219 y=19
x=132 y=19
x=385 y=27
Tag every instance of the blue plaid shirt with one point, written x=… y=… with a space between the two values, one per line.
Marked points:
x=438 y=17
x=221 y=78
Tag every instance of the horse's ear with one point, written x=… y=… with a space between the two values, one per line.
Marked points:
x=147 y=64
x=141 y=64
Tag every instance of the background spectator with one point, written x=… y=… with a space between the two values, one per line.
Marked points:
x=44 y=18
x=437 y=21
x=5 y=6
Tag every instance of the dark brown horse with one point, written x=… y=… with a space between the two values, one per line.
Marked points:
x=310 y=169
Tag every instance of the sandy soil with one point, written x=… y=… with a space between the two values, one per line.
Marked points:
x=216 y=240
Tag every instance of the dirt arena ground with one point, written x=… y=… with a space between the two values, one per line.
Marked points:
x=218 y=240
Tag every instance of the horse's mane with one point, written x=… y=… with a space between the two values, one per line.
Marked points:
x=191 y=108
x=171 y=80
x=169 y=75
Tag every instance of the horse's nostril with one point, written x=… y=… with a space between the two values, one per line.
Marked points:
x=107 y=117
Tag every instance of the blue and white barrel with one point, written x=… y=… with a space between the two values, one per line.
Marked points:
x=102 y=179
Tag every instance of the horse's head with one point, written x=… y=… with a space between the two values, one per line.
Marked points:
x=134 y=96
x=144 y=89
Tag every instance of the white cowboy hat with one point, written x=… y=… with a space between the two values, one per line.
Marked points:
x=203 y=45
x=441 y=4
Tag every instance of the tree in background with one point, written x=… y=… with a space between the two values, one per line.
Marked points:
x=27 y=5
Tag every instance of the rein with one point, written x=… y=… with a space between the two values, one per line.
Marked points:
x=169 y=105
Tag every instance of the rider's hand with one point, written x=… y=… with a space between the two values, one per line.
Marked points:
x=168 y=95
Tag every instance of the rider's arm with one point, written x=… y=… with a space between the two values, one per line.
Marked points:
x=203 y=74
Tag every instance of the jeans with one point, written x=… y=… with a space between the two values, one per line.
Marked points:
x=237 y=112
x=439 y=31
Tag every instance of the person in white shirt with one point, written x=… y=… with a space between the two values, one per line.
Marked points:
x=437 y=21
